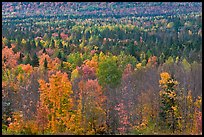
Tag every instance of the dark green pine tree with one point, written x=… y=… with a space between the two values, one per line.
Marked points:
x=47 y=46
x=131 y=49
x=39 y=45
x=59 y=55
x=18 y=42
x=44 y=50
x=17 y=47
x=52 y=44
x=66 y=50
x=45 y=64
x=58 y=34
x=35 y=61
x=20 y=60
x=161 y=58
x=9 y=44
x=27 y=59
x=60 y=45
x=64 y=58
x=33 y=45
x=28 y=47
x=61 y=65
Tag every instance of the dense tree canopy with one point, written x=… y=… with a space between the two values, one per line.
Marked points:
x=101 y=68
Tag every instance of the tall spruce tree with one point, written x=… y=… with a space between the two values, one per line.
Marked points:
x=35 y=61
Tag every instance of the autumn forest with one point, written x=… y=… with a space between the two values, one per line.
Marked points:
x=101 y=68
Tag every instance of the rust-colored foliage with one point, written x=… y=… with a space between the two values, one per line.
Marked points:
x=88 y=72
x=152 y=61
x=42 y=117
x=127 y=72
x=27 y=68
x=92 y=106
x=53 y=64
x=9 y=58
x=123 y=118
x=92 y=63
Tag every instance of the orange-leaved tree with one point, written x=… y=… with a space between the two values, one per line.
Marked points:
x=56 y=96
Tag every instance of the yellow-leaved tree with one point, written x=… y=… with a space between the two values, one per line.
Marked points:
x=56 y=96
x=169 y=113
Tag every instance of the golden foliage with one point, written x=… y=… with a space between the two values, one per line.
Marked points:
x=164 y=78
x=55 y=95
x=92 y=64
x=139 y=65
x=17 y=125
x=74 y=74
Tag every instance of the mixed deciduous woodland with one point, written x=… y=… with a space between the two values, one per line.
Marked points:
x=122 y=68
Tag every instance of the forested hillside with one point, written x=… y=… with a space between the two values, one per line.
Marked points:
x=102 y=68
